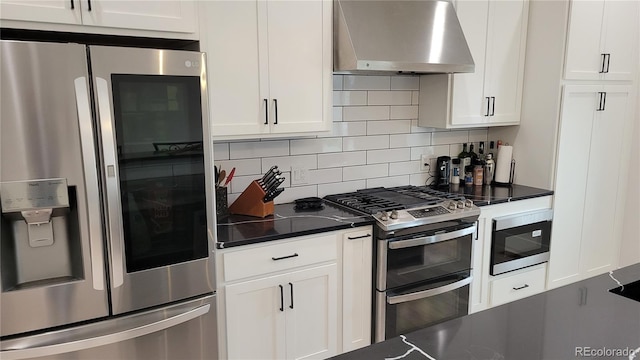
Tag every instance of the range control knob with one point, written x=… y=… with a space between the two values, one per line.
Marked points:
x=383 y=216
x=452 y=205
x=460 y=204
x=394 y=214
x=468 y=203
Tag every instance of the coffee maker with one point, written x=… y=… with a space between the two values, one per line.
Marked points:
x=443 y=168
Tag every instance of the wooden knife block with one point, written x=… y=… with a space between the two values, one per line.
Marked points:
x=250 y=202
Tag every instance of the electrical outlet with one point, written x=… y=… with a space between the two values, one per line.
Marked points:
x=425 y=163
x=299 y=175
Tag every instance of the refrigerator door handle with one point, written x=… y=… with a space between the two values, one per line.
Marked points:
x=91 y=182
x=112 y=184
x=79 y=340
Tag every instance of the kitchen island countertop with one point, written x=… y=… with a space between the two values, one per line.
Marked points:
x=286 y=222
x=577 y=321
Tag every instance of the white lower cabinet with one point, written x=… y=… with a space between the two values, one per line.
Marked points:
x=289 y=316
x=488 y=290
x=299 y=298
x=518 y=284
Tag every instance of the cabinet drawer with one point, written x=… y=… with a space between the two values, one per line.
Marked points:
x=518 y=286
x=277 y=257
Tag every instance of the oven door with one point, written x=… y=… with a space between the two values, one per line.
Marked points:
x=156 y=156
x=420 y=306
x=520 y=241
x=413 y=260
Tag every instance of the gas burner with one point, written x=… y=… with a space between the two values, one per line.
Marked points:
x=407 y=206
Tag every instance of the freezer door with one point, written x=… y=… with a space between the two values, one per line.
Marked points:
x=156 y=152
x=51 y=244
x=181 y=331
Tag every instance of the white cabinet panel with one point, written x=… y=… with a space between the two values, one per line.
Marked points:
x=602 y=41
x=585 y=237
x=275 y=77
x=164 y=16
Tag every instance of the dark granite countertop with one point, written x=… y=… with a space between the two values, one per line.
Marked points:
x=490 y=195
x=578 y=321
x=286 y=222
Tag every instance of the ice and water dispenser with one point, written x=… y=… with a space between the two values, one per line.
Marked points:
x=40 y=242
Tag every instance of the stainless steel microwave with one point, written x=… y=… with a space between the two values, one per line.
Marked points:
x=520 y=240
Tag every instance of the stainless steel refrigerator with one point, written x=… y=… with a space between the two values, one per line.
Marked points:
x=106 y=248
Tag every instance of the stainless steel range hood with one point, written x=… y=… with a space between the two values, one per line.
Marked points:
x=415 y=36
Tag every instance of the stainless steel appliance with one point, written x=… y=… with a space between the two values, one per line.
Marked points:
x=423 y=255
x=106 y=239
x=520 y=240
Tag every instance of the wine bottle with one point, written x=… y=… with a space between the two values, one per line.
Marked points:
x=465 y=160
x=472 y=154
x=481 y=150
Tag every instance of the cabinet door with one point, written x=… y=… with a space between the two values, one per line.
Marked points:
x=237 y=69
x=469 y=105
x=579 y=104
x=620 y=39
x=504 y=70
x=299 y=38
x=601 y=237
x=174 y=16
x=356 y=289
x=53 y=11
x=583 y=59
x=255 y=312
x=311 y=313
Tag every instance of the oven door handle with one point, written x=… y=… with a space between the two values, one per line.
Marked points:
x=431 y=239
x=397 y=299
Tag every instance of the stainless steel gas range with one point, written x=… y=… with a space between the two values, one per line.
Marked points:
x=423 y=255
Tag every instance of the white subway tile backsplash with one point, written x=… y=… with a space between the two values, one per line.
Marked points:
x=347 y=128
x=389 y=98
x=365 y=172
x=365 y=142
x=408 y=140
x=346 y=98
x=239 y=183
x=243 y=166
x=258 y=149
x=405 y=83
x=415 y=96
x=421 y=179
x=404 y=167
x=388 y=127
x=315 y=146
x=404 y=112
x=388 y=181
x=358 y=113
x=337 y=113
x=285 y=163
x=419 y=129
x=450 y=137
x=221 y=151
x=479 y=135
x=366 y=82
x=342 y=159
x=337 y=82
x=430 y=151
x=388 y=155
x=324 y=176
x=292 y=193
x=340 y=187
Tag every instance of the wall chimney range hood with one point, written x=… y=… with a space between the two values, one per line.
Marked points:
x=402 y=37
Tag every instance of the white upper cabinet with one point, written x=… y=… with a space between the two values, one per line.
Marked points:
x=165 y=16
x=274 y=77
x=492 y=95
x=602 y=41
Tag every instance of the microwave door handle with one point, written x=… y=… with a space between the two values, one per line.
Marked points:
x=425 y=240
x=112 y=185
x=92 y=199
x=397 y=299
